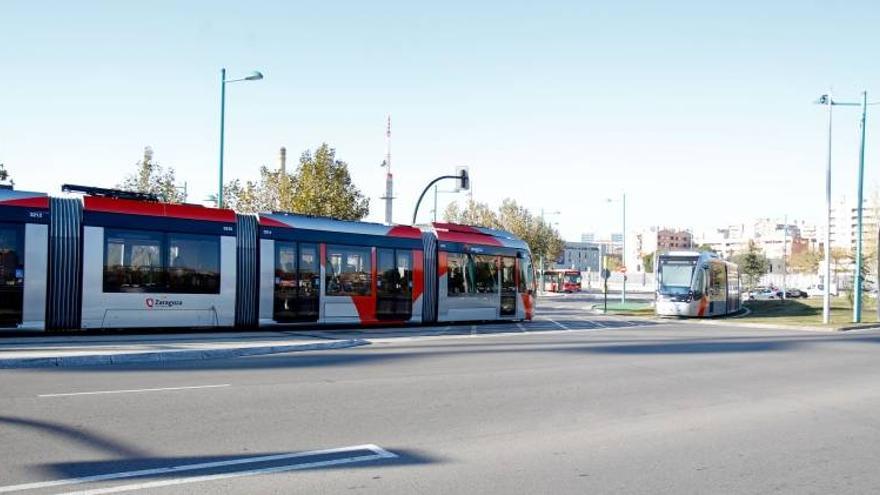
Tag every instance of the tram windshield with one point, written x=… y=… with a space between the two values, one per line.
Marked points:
x=675 y=275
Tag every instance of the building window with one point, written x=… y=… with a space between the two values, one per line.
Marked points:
x=349 y=271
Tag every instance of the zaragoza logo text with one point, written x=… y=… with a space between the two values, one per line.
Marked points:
x=162 y=303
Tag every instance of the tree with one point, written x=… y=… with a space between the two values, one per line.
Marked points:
x=544 y=241
x=705 y=247
x=752 y=263
x=152 y=178
x=648 y=263
x=321 y=186
x=4 y=175
x=474 y=213
x=805 y=261
x=272 y=192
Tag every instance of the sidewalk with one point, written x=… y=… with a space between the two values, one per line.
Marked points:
x=95 y=350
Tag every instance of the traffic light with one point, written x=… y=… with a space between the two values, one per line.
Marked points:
x=464 y=182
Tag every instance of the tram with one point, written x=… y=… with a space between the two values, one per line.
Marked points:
x=695 y=284
x=99 y=258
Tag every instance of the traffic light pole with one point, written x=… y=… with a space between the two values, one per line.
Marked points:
x=465 y=184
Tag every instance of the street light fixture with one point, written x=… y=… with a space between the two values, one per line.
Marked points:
x=254 y=76
x=828 y=100
x=543 y=214
x=623 y=248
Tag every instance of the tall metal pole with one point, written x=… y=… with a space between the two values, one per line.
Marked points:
x=826 y=300
x=541 y=260
x=784 y=251
x=222 y=126
x=435 y=203
x=623 y=254
x=389 y=179
x=857 y=303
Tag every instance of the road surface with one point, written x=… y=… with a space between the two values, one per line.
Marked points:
x=574 y=403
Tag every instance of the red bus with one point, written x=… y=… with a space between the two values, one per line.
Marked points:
x=567 y=281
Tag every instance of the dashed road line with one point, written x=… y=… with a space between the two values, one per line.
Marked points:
x=521 y=327
x=560 y=325
x=134 y=391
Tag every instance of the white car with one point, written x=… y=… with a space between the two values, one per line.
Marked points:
x=762 y=294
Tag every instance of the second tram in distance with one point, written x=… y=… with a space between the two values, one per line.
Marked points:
x=695 y=284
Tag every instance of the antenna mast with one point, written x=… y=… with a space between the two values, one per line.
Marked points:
x=389 y=179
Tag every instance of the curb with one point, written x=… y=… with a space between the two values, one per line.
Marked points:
x=172 y=356
x=771 y=326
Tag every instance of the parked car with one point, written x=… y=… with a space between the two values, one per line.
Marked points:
x=794 y=294
x=762 y=294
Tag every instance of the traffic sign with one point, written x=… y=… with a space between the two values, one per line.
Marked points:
x=606 y=273
x=621 y=269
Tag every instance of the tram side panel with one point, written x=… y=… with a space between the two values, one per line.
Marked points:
x=151 y=303
x=24 y=237
x=164 y=266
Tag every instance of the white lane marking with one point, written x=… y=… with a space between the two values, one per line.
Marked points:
x=473 y=329
x=378 y=453
x=135 y=390
x=599 y=324
x=521 y=327
x=560 y=325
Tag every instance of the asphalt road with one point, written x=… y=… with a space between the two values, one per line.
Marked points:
x=605 y=406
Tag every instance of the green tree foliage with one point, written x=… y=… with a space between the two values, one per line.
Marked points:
x=805 y=261
x=752 y=263
x=543 y=240
x=4 y=175
x=273 y=191
x=151 y=178
x=648 y=263
x=321 y=186
x=705 y=247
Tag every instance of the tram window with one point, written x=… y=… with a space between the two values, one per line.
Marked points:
x=349 y=271
x=405 y=271
x=133 y=261
x=193 y=264
x=11 y=256
x=388 y=277
x=719 y=280
x=460 y=275
x=309 y=273
x=508 y=274
x=285 y=266
x=525 y=274
x=486 y=271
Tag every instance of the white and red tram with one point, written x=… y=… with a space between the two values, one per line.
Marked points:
x=111 y=259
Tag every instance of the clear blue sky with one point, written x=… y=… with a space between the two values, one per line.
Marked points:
x=699 y=110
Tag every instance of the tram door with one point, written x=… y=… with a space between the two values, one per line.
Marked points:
x=394 y=284
x=297 y=282
x=508 y=286
x=11 y=274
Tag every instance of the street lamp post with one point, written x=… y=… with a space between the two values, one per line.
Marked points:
x=826 y=298
x=623 y=249
x=857 y=302
x=254 y=76
x=827 y=99
x=623 y=254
